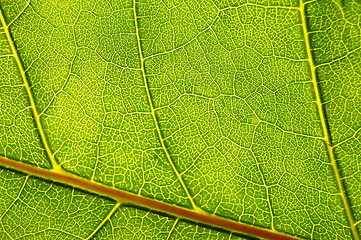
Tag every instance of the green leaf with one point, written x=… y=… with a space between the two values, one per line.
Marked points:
x=180 y=119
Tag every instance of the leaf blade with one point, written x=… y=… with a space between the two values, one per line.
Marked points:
x=222 y=114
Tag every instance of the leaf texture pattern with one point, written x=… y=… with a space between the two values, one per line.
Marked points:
x=244 y=110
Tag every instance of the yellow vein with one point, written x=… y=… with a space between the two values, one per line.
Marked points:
x=15 y=199
x=161 y=139
x=36 y=115
x=128 y=198
x=325 y=129
x=11 y=205
x=173 y=228
x=109 y=215
x=20 y=13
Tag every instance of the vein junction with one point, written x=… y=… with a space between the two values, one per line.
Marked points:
x=27 y=86
x=325 y=127
x=125 y=197
x=154 y=116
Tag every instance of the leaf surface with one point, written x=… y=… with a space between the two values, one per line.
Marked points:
x=247 y=111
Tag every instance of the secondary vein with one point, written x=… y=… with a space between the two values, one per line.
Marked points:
x=105 y=220
x=325 y=127
x=123 y=197
x=154 y=116
x=35 y=112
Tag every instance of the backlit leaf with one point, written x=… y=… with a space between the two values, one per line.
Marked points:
x=243 y=110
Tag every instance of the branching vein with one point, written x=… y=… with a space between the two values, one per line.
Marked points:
x=110 y=214
x=325 y=128
x=154 y=116
x=35 y=112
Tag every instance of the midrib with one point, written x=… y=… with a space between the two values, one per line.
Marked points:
x=325 y=127
x=123 y=197
x=25 y=80
x=57 y=174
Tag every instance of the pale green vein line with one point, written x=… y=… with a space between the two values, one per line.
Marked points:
x=230 y=236
x=152 y=109
x=290 y=132
x=325 y=128
x=20 y=13
x=260 y=6
x=110 y=214
x=12 y=204
x=172 y=230
x=36 y=115
x=188 y=42
x=348 y=139
x=101 y=131
x=10 y=237
x=16 y=198
x=358 y=222
x=339 y=58
x=32 y=235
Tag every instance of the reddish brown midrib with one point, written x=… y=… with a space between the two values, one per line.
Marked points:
x=126 y=197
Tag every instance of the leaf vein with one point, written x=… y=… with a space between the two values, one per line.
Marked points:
x=324 y=124
x=26 y=82
x=153 y=112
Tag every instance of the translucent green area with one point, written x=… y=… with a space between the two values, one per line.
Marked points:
x=132 y=223
x=231 y=87
x=338 y=55
x=33 y=209
x=20 y=139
